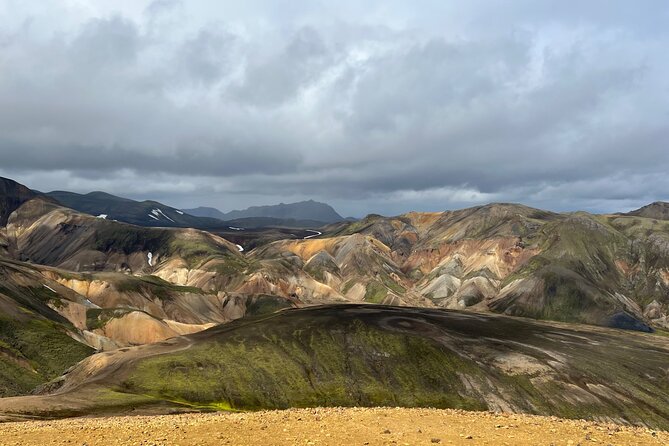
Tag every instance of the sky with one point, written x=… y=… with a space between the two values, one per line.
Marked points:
x=381 y=106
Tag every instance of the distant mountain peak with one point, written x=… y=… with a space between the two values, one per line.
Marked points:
x=302 y=210
x=658 y=210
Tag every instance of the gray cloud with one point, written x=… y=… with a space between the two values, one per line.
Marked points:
x=378 y=109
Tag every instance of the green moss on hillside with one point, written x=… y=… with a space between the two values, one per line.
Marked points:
x=264 y=304
x=153 y=286
x=36 y=350
x=375 y=293
x=111 y=236
x=356 y=365
x=99 y=317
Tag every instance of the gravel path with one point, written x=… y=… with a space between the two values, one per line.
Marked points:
x=327 y=427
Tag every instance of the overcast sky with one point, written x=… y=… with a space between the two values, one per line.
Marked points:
x=372 y=106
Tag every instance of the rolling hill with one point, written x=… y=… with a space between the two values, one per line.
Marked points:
x=362 y=355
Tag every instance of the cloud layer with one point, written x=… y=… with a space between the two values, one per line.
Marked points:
x=386 y=108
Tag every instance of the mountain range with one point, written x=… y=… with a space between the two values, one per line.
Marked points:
x=142 y=213
x=156 y=214
x=303 y=210
x=74 y=283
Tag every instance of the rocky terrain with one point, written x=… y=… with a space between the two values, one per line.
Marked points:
x=335 y=426
x=610 y=270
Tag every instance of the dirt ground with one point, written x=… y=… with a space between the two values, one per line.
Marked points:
x=327 y=427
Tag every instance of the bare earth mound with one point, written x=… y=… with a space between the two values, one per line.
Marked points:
x=334 y=426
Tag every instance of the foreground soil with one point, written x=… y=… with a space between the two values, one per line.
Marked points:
x=336 y=426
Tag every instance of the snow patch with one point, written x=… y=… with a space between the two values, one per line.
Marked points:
x=179 y=212
x=315 y=234
x=235 y=229
x=159 y=211
x=152 y=216
x=241 y=248
x=150 y=257
x=102 y=216
x=90 y=304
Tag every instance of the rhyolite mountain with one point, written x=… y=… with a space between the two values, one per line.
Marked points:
x=304 y=210
x=77 y=284
x=71 y=284
x=609 y=270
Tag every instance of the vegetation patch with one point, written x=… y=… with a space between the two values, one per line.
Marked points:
x=265 y=304
x=111 y=236
x=97 y=318
x=36 y=351
x=356 y=365
x=153 y=286
x=375 y=292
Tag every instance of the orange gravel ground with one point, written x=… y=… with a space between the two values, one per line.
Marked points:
x=336 y=426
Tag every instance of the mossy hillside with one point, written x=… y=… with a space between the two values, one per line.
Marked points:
x=194 y=248
x=577 y=267
x=97 y=318
x=232 y=271
x=153 y=287
x=265 y=304
x=195 y=251
x=112 y=236
x=35 y=299
x=355 y=365
x=530 y=267
x=391 y=284
x=376 y=355
x=637 y=227
x=357 y=226
x=43 y=350
x=16 y=379
x=585 y=240
x=232 y=266
x=375 y=292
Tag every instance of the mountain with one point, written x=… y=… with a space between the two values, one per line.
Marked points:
x=658 y=210
x=608 y=270
x=303 y=210
x=74 y=283
x=142 y=213
x=366 y=355
x=98 y=285
x=12 y=195
x=203 y=211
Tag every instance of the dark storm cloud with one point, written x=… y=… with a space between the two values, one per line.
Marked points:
x=384 y=108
